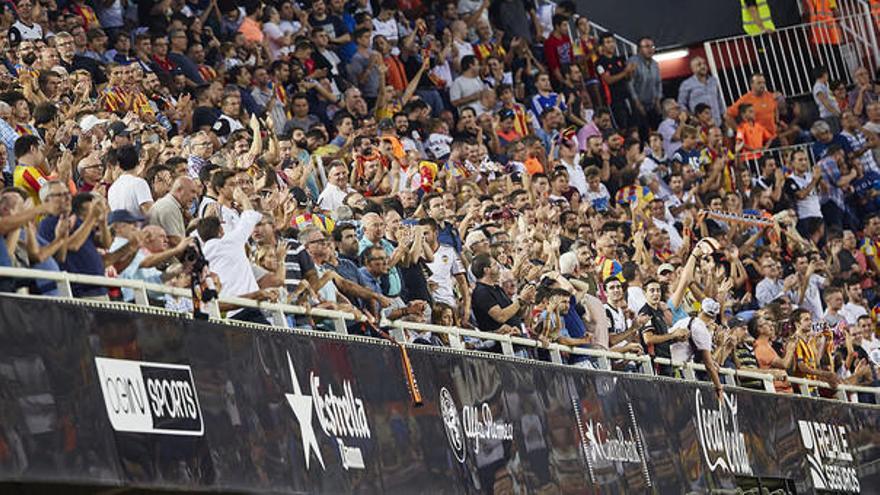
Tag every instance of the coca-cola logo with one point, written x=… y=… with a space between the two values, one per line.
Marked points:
x=723 y=445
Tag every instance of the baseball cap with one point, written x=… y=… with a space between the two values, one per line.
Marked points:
x=89 y=122
x=710 y=307
x=124 y=216
x=505 y=113
x=475 y=237
x=301 y=197
x=386 y=124
x=665 y=267
x=118 y=128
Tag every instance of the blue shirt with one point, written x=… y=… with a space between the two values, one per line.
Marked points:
x=575 y=328
x=820 y=148
x=394 y=283
x=87 y=260
x=448 y=235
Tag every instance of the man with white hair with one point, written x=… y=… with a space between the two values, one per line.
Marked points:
x=90 y=170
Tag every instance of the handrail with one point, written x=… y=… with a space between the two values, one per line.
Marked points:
x=600 y=358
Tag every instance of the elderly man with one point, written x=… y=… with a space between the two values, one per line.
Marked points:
x=701 y=87
x=374 y=231
x=863 y=94
x=134 y=262
x=825 y=138
x=171 y=211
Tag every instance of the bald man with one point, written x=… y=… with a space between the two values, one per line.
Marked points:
x=172 y=211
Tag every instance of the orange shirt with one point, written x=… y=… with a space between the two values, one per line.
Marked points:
x=251 y=30
x=765 y=109
x=533 y=166
x=396 y=76
x=765 y=355
x=755 y=136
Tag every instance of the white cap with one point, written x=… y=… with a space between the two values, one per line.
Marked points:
x=90 y=121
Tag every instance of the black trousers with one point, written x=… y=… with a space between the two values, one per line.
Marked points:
x=251 y=315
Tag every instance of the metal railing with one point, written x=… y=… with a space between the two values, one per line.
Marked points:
x=278 y=314
x=787 y=56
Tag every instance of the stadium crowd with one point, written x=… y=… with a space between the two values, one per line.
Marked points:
x=482 y=164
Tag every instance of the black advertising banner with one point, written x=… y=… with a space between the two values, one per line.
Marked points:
x=102 y=397
x=686 y=23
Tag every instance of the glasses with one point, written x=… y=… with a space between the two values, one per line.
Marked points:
x=320 y=241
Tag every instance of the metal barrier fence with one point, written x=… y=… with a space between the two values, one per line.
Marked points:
x=788 y=55
x=781 y=154
x=278 y=313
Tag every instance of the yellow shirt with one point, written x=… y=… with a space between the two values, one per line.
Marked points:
x=31 y=180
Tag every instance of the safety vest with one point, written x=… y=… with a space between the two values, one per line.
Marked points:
x=822 y=23
x=750 y=25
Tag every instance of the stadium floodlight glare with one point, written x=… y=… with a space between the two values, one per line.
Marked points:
x=672 y=55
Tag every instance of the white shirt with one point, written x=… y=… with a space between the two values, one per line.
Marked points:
x=129 y=192
x=700 y=334
x=227 y=258
x=446 y=265
x=464 y=49
x=635 y=299
x=464 y=87
x=852 y=312
x=812 y=297
x=808 y=207
x=274 y=31
x=332 y=197
x=675 y=240
x=388 y=29
x=20 y=31
x=576 y=177
x=872 y=347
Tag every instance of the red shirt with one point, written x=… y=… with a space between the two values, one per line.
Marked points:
x=557 y=52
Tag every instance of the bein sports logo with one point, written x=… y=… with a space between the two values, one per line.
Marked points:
x=338 y=416
x=475 y=423
x=145 y=397
x=829 y=458
x=722 y=443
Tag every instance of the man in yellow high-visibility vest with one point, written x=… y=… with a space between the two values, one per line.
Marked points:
x=756 y=17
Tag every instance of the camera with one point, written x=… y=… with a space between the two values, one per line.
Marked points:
x=194 y=262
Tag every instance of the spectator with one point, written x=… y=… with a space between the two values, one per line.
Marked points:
x=129 y=191
x=466 y=89
x=829 y=111
x=226 y=256
x=764 y=333
x=763 y=101
x=615 y=73
x=697 y=345
x=87 y=233
x=646 y=88
x=494 y=311
x=701 y=87
x=172 y=210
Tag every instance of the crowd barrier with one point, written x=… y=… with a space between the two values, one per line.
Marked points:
x=101 y=395
x=787 y=56
x=279 y=312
